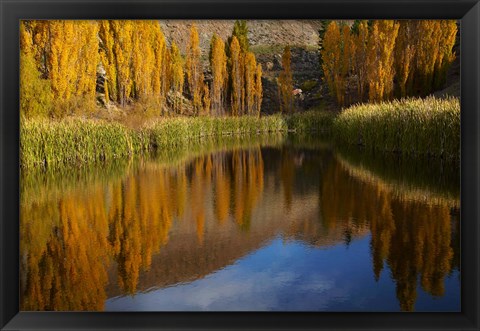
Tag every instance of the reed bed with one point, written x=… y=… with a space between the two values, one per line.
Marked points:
x=427 y=126
x=48 y=143
x=316 y=121
x=412 y=126
x=45 y=143
x=39 y=184
x=175 y=132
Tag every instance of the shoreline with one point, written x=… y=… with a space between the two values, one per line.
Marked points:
x=408 y=126
x=74 y=141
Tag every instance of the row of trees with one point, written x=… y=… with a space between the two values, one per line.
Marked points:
x=386 y=58
x=60 y=61
x=245 y=81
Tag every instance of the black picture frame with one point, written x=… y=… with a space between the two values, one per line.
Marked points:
x=11 y=11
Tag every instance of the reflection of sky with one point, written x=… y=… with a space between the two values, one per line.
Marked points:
x=290 y=276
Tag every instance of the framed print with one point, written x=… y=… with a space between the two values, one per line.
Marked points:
x=239 y=164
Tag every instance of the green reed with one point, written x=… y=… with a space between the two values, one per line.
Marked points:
x=412 y=126
x=45 y=143
x=427 y=126
x=48 y=143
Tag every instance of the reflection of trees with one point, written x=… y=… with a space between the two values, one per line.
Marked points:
x=70 y=238
x=199 y=183
x=414 y=178
x=222 y=189
x=65 y=269
x=344 y=201
x=247 y=183
x=413 y=237
x=140 y=218
x=127 y=221
x=287 y=176
x=420 y=248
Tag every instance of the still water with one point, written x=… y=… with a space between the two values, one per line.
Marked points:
x=262 y=224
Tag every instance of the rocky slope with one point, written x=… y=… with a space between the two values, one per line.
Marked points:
x=261 y=32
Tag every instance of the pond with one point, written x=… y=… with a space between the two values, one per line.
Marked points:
x=263 y=224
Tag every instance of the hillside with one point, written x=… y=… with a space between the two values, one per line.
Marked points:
x=261 y=32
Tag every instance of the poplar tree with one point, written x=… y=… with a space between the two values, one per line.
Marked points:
x=218 y=65
x=165 y=71
x=428 y=52
x=242 y=82
x=380 y=59
x=36 y=97
x=404 y=53
x=240 y=31
x=66 y=54
x=258 y=89
x=347 y=56
x=143 y=60
x=61 y=59
x=446 y=54
x=117 y=54
x=88 y=59
x=194 y=69
x=107 y=57
x=330 y=55
x=432 y=42
x=59 y=47
x=26 y=39
x=338 y=59
x=360 y=68
x=235 y=76
x=160 y=76
x=236 y=63
x=123 y=48
x=250 y=70
x=177 y=77
x=36 y=35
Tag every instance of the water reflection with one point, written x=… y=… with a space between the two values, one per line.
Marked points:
x=147 y=225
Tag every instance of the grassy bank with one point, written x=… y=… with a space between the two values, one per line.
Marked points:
x=427 y=126
x=39 y=184
x=414 y=127
x=46 y=143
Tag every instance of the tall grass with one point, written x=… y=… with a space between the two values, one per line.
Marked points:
x=413 y=126
x=174 y=132
x=427 y=126
x=46 y=143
